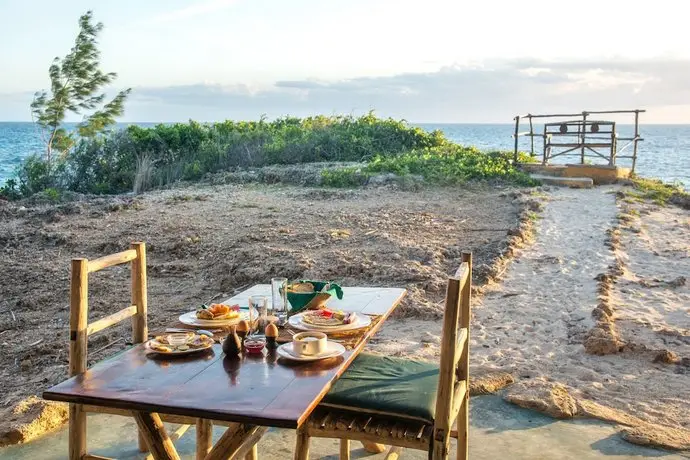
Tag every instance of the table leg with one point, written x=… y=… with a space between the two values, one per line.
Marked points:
x=152 y=429
x=142 y=442
x=373 y=447
x=236 y=442
x=204 y=438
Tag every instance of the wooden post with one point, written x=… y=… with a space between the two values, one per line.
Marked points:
x=531 y=135
x=77 y=432
x=139 y=294
x=582 y=139
x=464 y=368
x=204 y=438
x=517 y=130
x=612 y=158
x=637 y=133
x=78 y=316
x=79 y=309
x=139 y=300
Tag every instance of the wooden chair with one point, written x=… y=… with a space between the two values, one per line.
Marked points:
x=347 y=412
x=80 y=330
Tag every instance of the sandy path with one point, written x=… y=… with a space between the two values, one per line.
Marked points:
x=534 y=322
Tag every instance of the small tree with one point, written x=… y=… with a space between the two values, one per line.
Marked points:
x=75 y=82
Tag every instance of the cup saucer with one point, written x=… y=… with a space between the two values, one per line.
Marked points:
x=333 y=349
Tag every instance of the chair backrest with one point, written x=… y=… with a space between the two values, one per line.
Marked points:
x=453 y=384
x=79 y=303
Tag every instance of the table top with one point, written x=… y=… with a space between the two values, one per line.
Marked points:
x=261 y=389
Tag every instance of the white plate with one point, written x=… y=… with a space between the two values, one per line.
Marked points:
x=333 y=349
x=361 y=322
x=176 y=352
x=191 y=319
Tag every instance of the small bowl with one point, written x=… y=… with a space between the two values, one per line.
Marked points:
x=254 y=345
x=313 y=300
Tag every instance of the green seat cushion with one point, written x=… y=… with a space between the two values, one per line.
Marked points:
x=390 y=386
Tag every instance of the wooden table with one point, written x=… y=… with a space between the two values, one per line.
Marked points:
x=252 y=392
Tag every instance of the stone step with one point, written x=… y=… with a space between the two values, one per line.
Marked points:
x=574 y=182
x=544 y=170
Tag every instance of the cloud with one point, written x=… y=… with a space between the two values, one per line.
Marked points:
x=196 y=9
x=493 y=91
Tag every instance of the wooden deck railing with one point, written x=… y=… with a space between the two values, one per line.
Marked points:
x=589 y=137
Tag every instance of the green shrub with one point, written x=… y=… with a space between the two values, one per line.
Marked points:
x=451 y=164
x=111 y=163
x=52 y=194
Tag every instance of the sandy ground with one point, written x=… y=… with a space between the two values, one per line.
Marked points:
x=534 y=323
x=603 y=266
x=209 y=242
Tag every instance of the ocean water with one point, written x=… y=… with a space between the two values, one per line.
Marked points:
x=664 y=153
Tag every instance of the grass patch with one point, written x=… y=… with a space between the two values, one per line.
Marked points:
x=660 y=192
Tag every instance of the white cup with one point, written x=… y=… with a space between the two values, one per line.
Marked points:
x=309 y=343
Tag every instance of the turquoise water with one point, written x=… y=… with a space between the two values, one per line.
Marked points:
x=664 y=153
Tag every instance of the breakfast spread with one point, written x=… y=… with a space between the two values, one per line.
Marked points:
x=179 y=343
x=218 y=311
x=327 y=317
x=304 y=288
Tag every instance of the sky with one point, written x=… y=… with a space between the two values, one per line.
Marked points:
x=423 y=61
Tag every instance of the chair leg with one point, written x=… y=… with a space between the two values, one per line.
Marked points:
x=344 y=449
x=394 y=453
x=253 y=454
x=373 y=447
x=77 y=432
x=302 y=446
x=440 y=448
x=464 y=431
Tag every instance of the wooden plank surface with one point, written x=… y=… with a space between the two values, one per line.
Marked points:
x=255 y=389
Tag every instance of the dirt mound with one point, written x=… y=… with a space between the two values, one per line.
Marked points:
x=549 y=398
x=490 y=383
x=602 y=339
x=30 y=419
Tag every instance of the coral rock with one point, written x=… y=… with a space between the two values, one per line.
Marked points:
x=549 y=398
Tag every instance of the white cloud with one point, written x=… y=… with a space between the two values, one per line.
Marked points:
x=494 y=92
x=491 y=93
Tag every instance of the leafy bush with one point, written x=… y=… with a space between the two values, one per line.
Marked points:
x=451 y=164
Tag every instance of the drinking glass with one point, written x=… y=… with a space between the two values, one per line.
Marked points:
x=279 y=297
x=260 y=304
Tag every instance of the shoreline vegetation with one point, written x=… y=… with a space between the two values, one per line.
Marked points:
x=326 y=151
x=139 y=159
